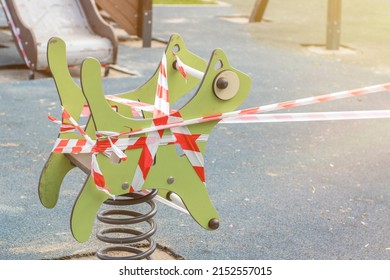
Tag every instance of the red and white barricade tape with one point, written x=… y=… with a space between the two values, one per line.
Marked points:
x=164 y=118
x=235 y=116
x=160 y=117
x=80 y=146
x=16 y=32
x=185 y=69
x=187 y=141
x=108 y=144
x=314 y=116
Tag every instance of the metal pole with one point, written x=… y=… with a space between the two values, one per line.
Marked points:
x=258 y=11
x=333 y=25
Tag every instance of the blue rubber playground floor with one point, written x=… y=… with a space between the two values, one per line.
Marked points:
x=316 y=190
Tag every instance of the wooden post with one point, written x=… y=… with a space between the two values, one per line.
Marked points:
x=333 y=26
x=145 y=22
x=258 y=11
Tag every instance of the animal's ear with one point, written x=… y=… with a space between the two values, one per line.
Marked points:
x=178 y=87
x=92 y=88
x=69 y=92
x=103 y=116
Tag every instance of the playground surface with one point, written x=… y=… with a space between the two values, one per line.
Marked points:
x=316 y=190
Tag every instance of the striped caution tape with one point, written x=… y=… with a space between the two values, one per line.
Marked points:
x=160 y=117
x=107 y=145
x=184 y=69
x=313 y=116
x=16 y=32
x=81 y=146
x=109 y=142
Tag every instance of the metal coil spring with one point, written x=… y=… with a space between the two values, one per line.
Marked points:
x=127 y=248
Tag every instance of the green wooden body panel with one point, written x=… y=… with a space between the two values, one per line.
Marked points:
x=53 y=173
x=71 y=97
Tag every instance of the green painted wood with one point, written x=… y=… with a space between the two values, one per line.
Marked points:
x=52 y=175
x=71 y=97
x=169 y=164
x=178 y=87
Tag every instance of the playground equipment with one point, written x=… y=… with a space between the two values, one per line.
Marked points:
x=116 y=150
x=78 y=22
x=333 y=25
x=134 y=16
x=135 y=143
